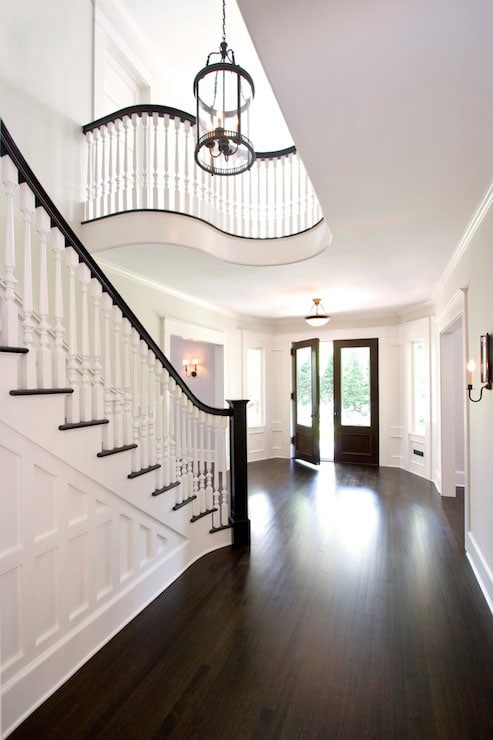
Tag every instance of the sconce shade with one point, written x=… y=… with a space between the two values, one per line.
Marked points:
x=318 y=315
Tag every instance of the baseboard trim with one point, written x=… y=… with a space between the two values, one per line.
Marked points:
x=480 y=568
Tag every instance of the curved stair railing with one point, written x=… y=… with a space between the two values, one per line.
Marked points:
x=77 y=336
x=142 y=157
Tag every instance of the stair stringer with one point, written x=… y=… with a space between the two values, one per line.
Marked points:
x=83 y=549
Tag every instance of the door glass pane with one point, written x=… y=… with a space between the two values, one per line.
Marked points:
x=355 y=386
x=304 y=386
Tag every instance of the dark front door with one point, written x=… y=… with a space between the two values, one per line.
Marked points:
x=306 y=400
x=356 y=401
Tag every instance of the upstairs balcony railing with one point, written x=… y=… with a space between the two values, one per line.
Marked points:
x=142 y=157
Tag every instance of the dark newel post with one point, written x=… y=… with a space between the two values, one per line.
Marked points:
x=239 y=477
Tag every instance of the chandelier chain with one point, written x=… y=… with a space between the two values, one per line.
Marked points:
x=224 y=20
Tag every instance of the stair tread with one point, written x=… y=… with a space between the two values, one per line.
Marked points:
x=184 y=503
x=40 y=391
x=14 y=350
x=158 y=491
x=115 y=450
x=143 y=471
x=82 y=424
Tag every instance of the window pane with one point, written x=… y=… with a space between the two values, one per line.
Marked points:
x=355 y=386
x=304 y=386
x=255 y=393
x=419 y=387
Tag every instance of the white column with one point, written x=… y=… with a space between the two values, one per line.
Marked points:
x=28 y=362
x=59 y=355
x=10 y=314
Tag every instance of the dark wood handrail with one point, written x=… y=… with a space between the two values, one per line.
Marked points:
x=9 y=147
x=163 y=110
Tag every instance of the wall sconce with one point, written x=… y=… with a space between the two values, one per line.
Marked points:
x=485 y=368
x=190 y=368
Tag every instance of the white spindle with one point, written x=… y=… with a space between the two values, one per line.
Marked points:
x=268 y=207
x=259 y=200
x=72 y=402
x=151 y=361
x=186 y=205
x=135 y=183
x=103 y=180
x=178 y=448
x=283 y=196
x=127 y=383
x=184 y=447
x=224 y=498
x=249 y=226
x=216 y=496
x=299 y=201
x=96 y=207
x=10 y=313
x=127 y=195
x=118 y=199
x=59 y=356
x=291 y=197
x=118 y=398
x=155 y=186
x=190 y=449
x=166 y=430
x=89 y=210
x=227 y=205
x=177 y=205
x=97 y=386
x=108 y=429
x=85 y=387
x=208 y=464
x=166 y=161
x=276 y=209
x=111 y=173
x=307 y=201
x=158 y=375
x=144 y=405
x=28 y=363
x=44 y=355
x=172 y=430
x=195 y=458
x=201 y=468
x=145 y=160
x=136 y=457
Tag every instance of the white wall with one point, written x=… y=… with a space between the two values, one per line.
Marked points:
x=208 y=384
x=46 y=91
x=472 y=274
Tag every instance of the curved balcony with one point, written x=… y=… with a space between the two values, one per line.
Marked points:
x=142 y=158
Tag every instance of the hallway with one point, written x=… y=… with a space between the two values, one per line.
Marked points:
x=355 y=615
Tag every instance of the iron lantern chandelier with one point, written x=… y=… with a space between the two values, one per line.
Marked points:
x=224 y=92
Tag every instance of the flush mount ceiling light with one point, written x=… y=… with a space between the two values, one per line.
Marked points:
x=318 y=316
x=224 y=92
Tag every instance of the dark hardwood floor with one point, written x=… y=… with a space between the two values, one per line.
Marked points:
x=354 y=615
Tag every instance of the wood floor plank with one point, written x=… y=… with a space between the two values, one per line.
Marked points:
x=354 y=615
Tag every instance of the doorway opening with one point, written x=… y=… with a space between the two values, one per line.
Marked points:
x=326 y=369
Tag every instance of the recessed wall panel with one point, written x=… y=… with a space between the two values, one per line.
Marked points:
x=9 y=500
x=77 y=505
x=44 y=503
x=10 y=616
x=104 y=559
x=145 y=545
x=46 y=590
x=126 y=547
x=78 y=589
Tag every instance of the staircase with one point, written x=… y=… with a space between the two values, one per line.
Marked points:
x=114 y=476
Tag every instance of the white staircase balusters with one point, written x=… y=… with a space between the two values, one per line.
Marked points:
x=144 y=121
x=118 y=188
x=224 y=498
x=151 y=361
x=96 y=203
x=110 y=185
x=291 y=196
x=195 y=458
x=201 y=466
x=103 y=180
x=135 y=183
x=209 y=498
x=89 y=205
x=108 y=429
x=127 y=189
x=118 y=392
x=155 y=162
x=144 y=406
x=85 y=386
x=97 y=385
x=165 y=381
x=28 y=362
x=127 y=383
x=178 y=447
x=136 y=451
x=172 y=429
x=44 y=353
x=72 y=402
x=185 y=481
x=177 y=200
x=190 y=449
x=299 y=201
x=158 y=374
x=10 y=313
x=216 y=493
x=186 y=202
x=59 y=354
x=166 y=205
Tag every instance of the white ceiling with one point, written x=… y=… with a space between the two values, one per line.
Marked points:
x=390 y=105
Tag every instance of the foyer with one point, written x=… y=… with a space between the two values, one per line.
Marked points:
x=355 y=614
